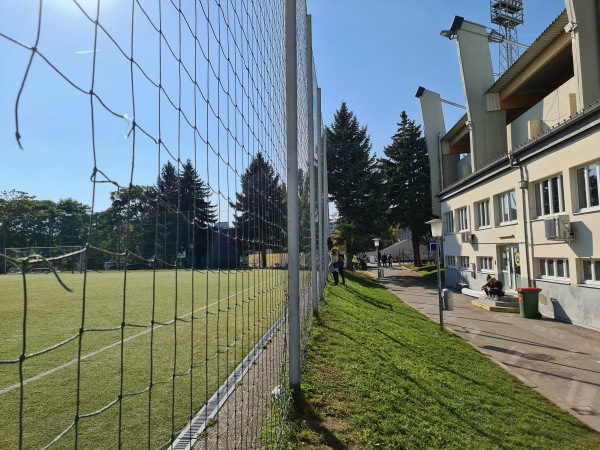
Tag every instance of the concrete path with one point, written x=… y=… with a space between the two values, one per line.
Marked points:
x=561 y=361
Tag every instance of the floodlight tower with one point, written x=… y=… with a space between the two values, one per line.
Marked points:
x=507 y=14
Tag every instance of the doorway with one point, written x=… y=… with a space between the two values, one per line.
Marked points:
x=510 y=267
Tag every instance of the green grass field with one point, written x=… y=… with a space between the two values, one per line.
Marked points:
x=154 y=347
x=380 y=375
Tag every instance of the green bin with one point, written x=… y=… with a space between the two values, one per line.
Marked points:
x=528 y=302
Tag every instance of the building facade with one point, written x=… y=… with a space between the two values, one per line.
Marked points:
x=516 y=179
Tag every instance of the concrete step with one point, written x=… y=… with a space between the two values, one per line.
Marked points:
x=507 y=304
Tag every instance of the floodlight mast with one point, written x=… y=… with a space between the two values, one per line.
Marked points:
x=507 y=14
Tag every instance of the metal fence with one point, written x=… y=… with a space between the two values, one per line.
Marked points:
x=163 y=216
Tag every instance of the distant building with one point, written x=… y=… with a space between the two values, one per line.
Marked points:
x=516 y=178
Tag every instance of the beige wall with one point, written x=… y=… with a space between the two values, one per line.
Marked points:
x=564 y=161
x=553 y=109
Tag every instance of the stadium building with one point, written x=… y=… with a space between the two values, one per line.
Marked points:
x=516 y=178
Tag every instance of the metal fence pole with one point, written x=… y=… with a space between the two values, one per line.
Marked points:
x=325 y=188
x=291 y=94
x=311 y=162
x=322 y=246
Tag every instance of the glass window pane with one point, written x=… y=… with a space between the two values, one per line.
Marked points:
x=551 y=272
x=542 y=267
x=554 y=197
x=587 y=270
x=581 y=191
x=513 y=206
x=560 y=268
x=593 y=177
x=545 y=197
x=597 y=270
x=538 y=200
x=561 y=193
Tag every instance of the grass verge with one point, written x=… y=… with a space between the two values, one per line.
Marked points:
x=381 y=375
x=427 y=271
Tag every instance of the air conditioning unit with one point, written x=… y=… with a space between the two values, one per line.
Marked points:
x=558 y=228
x=465 y=236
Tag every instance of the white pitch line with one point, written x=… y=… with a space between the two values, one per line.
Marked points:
x=108 y=347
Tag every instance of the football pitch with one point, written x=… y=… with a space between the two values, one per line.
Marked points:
x=126 y=358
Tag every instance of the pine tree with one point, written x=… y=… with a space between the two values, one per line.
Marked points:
x=407 y=177
x=260 y=209
x=355 y=184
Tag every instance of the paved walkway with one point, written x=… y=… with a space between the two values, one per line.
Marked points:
x=559 y=360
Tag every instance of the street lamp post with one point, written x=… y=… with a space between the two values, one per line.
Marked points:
x=436 y=232
x=376 y=241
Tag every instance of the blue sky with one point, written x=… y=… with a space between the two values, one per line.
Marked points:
x=372 y=54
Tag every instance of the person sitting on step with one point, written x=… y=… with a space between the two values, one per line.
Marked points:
x=494 y=288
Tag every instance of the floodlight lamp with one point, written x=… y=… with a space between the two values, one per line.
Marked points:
x=437 y=226
x=447 y=34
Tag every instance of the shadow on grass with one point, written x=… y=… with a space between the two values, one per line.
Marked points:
x=304 y=413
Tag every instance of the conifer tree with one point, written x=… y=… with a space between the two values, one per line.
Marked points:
x=406 y=171
x=260 y=209
x=355 y=184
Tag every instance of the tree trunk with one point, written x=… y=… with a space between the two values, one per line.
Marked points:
x=416 y=253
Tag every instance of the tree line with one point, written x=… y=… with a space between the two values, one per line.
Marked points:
x=171 y=222
x=374 y=196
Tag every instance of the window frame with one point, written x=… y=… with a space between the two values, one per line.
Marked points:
x=448 y=219
x=548 y=269
x=450 y=261
x=586 y=186
x=594 y=280
x=553 y=185
x=483 y=210
x=485 y=264
x=463 y=262
x=463 y=219
x=503 y=201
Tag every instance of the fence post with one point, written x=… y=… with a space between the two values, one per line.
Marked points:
x=291 y=109
x=311 y=162
x=322 y=246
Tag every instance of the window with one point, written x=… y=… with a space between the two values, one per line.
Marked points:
x=483 y=214
x=587 y=186
x=449 y=221
x=549 y=197
x=464 y=262
x=507 y=207
x=591 y=271
x=486 y=264
x=554 y=268
x=450 y=261
x=462 y=216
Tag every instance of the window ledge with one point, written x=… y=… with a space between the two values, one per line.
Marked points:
x=591 y=286
x=506 y=224
x=553 y=280
x=548 y=216
x=485 y=227
x=593 y=209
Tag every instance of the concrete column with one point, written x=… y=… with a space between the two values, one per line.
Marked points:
x=433 y=128
x=584 y=22
x=487 y=127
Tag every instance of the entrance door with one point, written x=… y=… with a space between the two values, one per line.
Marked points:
x=510 y=267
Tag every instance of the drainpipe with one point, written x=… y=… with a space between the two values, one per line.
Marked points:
x=441 y=169
x=523 y=186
